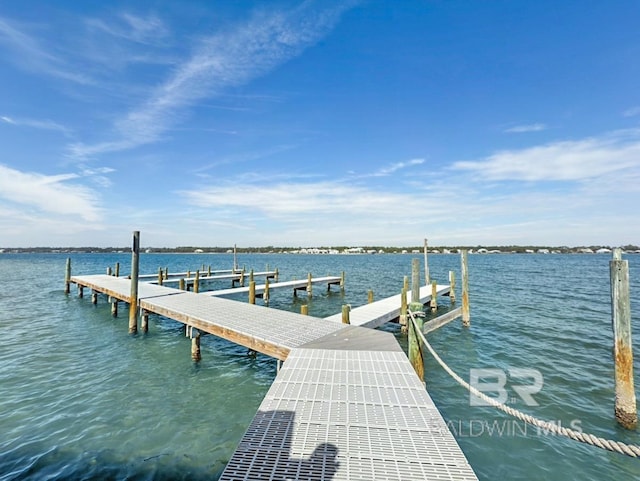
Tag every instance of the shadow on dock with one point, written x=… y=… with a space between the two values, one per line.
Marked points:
x=268 y=451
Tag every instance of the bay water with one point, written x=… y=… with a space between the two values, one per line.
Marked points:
x=80 y=398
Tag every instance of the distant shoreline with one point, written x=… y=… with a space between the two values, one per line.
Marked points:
x=341 y=250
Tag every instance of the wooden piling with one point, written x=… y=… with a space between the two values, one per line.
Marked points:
x=160 y=276
x=114 y=307
x=434 y=296
x=67 y=276
x=80 y=291
x=342 y=277
x=276 y=275
x=166 y=273
x=625 y=403
x=426 y=265
x=181 y=284
x=196 y=283
x=304 y=309
x=144 y=325
x=94 y=297
x=405 y=283
x=370 y=296
x=251 y=279
x=252 y=292
x=117 y=270
x=466 y=316
x=403 y=307
x=133 y=304
x=209 y=271
x=416 y=357
x=195 y=345
x=345 y=314
x=415 y=305
x=242 y=277
x=265 y=294
x=235 y=259
x=309 y=285
x=109 y=271
x=452 y=287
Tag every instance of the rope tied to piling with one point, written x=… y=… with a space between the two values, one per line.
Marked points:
x=631 y=450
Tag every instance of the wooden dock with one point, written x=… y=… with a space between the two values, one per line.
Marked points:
x=346 y=404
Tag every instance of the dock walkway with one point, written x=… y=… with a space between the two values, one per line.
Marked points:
x=346 y=404
x=385 y=310
x=260 y=288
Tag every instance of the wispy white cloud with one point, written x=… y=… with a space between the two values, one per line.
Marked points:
x=222 y=60
x=37 y=124
x=518 y=129
x=134 y=28
x=31 y=55
x=632 y=112
x=397 y=166
x=563 y=160
x=52 y=194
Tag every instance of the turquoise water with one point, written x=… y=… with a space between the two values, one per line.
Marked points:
x=81 y=399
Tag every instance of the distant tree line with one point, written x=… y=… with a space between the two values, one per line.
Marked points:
x=282 y=249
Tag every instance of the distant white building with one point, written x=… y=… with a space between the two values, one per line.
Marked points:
x=198 y=251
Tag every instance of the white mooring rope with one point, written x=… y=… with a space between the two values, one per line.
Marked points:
x=608 y=444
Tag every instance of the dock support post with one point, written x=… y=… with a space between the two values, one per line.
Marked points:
x=427 y=279
x=403 y=309
x=109 y=271
x=145 y=321
x=195 y=345
x=466 y=316
x=133 y=300
x=242 y=277
x=434 y=296
x=304 y=309
x=114 y=307
x=251 y=279
x=342 y=281
x=94 y=297
x=416 y=357
x=309 y=285
x=235 y=259
x=370 y=296
x=80 y=291
x=265 y=294
x=452 y=287
x=67 y=276
x=160 y=276
x=181 y=284
x=416 y=305
x=252 y=292
x=277 y=275
x=166 y=273
x=345 y=314
x=625 y=403
x=405 y=283
x=209 y=271
x=196 y=283
x=117 y=271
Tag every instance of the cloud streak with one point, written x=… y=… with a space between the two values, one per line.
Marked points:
x=572 y=160
x=223 y=60
x=519 y=129
x=51 y=194
x=37 y=124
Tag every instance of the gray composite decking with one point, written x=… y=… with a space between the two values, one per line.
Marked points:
x=346 y=404
x=385 y=310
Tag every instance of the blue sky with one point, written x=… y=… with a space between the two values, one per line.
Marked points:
x=303 y=123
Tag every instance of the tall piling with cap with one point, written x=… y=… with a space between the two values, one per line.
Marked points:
x=67 y=277
x=625 y=403
x=416 y=357
x=133 y=300
x=466 y=315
